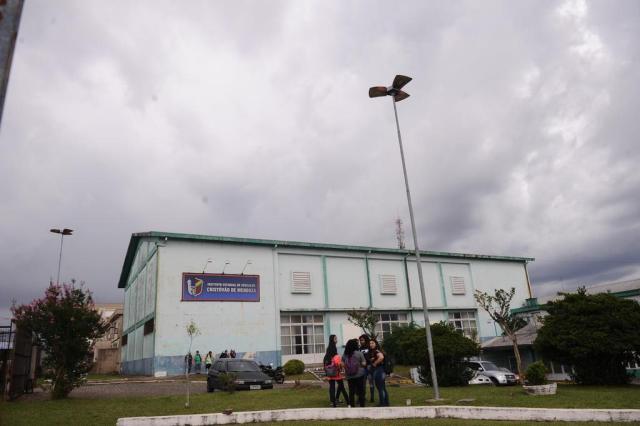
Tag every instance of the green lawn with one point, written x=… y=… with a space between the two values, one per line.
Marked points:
x=106 y=411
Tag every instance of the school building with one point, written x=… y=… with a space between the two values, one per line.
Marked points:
x=278 y=300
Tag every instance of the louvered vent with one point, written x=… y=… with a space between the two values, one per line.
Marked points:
x=388 y=284
x=457 y=285
x=301 y=282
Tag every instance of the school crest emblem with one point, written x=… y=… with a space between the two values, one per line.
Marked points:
x=195 y=288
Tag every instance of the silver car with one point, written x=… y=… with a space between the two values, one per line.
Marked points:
x=497 y=375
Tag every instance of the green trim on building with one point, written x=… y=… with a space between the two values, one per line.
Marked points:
x=133 y=243
x=139 y=324
x=406 y=280
x=325 y=281
x=144 y=265
x=443 y=290
x=366 y=264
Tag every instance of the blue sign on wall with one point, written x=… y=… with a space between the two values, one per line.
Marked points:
x=220 y=287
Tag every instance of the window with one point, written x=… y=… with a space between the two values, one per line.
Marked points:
x=388 y=284
x=465 y=321
x=218 y=366
x=125 y=338
x=386 y=322
x=300 y=282
x=457 y=286
x=302 y=334
x=148 y=327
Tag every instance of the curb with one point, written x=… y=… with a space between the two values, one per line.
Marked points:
x=444 y=411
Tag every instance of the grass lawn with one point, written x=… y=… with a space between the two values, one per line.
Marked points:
x=106 y=411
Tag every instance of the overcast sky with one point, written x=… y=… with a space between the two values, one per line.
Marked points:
x=252 y=119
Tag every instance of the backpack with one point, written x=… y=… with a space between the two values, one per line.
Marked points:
x=330 y=370
x=388 y=365
x=351 y=365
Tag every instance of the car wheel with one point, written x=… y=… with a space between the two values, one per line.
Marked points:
x=494 y=381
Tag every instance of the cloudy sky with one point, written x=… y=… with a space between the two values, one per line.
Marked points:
x=252 y=119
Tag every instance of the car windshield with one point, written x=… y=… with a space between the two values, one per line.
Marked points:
x=489 y=366
x=242 y=366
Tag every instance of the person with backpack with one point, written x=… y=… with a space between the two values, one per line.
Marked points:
x=333 y=370
x=379 y=374
x=354 y=369
x=364 y=348
x=198 y=361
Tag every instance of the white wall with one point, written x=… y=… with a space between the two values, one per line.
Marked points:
x=243 y=326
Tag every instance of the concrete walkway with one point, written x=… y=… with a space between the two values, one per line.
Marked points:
x=431 y=412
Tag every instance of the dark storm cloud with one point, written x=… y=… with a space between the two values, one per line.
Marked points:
x=252 y=119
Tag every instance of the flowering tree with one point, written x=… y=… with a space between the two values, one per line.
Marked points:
x=64 y=323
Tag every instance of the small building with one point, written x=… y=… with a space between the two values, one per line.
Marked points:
x=499 y=350
x=279 y=300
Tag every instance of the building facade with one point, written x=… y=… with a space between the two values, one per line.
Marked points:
x=280 y=300
x=106 y=349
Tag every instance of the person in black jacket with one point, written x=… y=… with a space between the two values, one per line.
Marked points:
x=364 y=348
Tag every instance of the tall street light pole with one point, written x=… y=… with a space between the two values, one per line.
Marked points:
x=62 y=233
x=397 y=95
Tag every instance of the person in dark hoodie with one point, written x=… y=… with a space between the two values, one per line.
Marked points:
x=334 y=372
x=364 y=348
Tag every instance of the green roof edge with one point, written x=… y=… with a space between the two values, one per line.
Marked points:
x=133 y=243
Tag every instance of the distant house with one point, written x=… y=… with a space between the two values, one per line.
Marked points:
x=499 y=350
x=106 y=351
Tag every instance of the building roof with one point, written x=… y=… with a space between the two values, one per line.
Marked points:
x=526 y=335
x=135 y=238
x=623 y=289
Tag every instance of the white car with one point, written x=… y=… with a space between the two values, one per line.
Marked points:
x=493 y=372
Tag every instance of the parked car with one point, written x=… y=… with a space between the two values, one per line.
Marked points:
x=493 y=372
x=247 y=375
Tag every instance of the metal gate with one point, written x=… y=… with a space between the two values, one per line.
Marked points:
x=16 y=362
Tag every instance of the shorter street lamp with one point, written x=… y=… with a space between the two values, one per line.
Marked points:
x=62 y=233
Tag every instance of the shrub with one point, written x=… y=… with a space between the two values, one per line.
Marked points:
x=597 y=334
x=293 y=366
x=408 y=346
x=228 y=381
x=535 y=374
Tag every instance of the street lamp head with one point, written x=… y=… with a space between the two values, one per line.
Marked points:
x=65 y=231
x=395 y=90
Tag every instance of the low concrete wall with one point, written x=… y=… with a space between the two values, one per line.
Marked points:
x=471 y=413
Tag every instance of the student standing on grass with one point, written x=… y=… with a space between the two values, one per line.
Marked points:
x=207 y=361
x=364 y=348
x=198 y=361
x=188 y=361
x=333 y=369
x=377 y=365
x=354 y=368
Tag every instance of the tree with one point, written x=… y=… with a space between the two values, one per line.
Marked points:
x=498 y=307
x=407 y=346
x=367 y=321
x=595 y=334
x=192 y=331
x=65 y=324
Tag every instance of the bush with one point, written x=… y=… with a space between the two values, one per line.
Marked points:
x=228 y=381
x=407 y=345
x=293 y=366
x=596 y=334
x=536 y=374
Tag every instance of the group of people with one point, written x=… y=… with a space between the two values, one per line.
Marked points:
x=361 y=362
x=195 y=361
